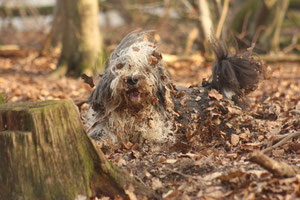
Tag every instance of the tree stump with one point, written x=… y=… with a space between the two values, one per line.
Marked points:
x=2 y=100
x=45 y=154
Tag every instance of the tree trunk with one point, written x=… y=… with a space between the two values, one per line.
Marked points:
x=54 y=36
x=45 y=154
x=82 y=44
x=206 y=23
x=283 y=5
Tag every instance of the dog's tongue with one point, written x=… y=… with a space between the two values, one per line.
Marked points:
x=134 y=96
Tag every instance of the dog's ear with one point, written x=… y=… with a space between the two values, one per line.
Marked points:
x=102 y=93
x=164 y=88
x=161 y=92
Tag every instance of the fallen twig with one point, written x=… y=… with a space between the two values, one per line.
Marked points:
x=292 y=46
x=295 y=112
x=11 y=47
x=282 y=141
x=280 y=57
x=194 y=33
x=279 y=169
x=169 y=58
x=88 y=80
x=181 y=174
x=9 y=51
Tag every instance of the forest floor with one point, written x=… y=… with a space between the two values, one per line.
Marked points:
x=215 y=169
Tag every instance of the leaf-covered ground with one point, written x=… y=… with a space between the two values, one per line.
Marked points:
x=212 y=167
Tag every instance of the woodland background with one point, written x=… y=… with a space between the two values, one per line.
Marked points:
x=39 y=60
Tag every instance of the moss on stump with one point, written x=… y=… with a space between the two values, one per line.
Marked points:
x=2 y=100
x=45 y=154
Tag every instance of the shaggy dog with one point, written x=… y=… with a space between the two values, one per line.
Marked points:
x=134 y=100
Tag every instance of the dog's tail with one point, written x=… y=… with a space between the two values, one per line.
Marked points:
x=235 y=75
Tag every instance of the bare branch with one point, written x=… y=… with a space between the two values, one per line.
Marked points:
x=280 y=169
x=282 y=141
x=222 y=18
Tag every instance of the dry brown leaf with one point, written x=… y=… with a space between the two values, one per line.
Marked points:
x=215 y=94
x=156 y=184
x=171 y=161
x=231 y=175
x=234 y=110
x=89 y=80
x=162 y=159
x=278 y=152
x=135 y=48
x=235 y=139
x=130 y=193
x=120 y=65
x=152 y=60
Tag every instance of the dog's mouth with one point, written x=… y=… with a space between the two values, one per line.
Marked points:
x=134 y=95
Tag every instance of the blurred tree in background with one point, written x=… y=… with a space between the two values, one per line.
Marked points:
x=261 y=22
x=273 y=25
x=81 y=39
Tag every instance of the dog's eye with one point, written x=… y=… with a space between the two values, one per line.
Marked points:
x=120 y=66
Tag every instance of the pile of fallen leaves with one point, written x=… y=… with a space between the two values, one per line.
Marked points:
x=28 y=79
x=227 y=152
x=214 y=159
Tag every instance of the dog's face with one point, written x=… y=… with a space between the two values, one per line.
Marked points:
x=138 y=77
x=134 y=80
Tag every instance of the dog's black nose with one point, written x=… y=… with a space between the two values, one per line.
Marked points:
x=132 y=80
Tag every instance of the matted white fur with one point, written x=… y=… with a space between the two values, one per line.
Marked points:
x=132 y=100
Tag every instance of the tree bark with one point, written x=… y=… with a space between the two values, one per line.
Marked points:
x=206 y=23
x=284 y=4
x=54 y=36
x=82 y=44
x=45 y=154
